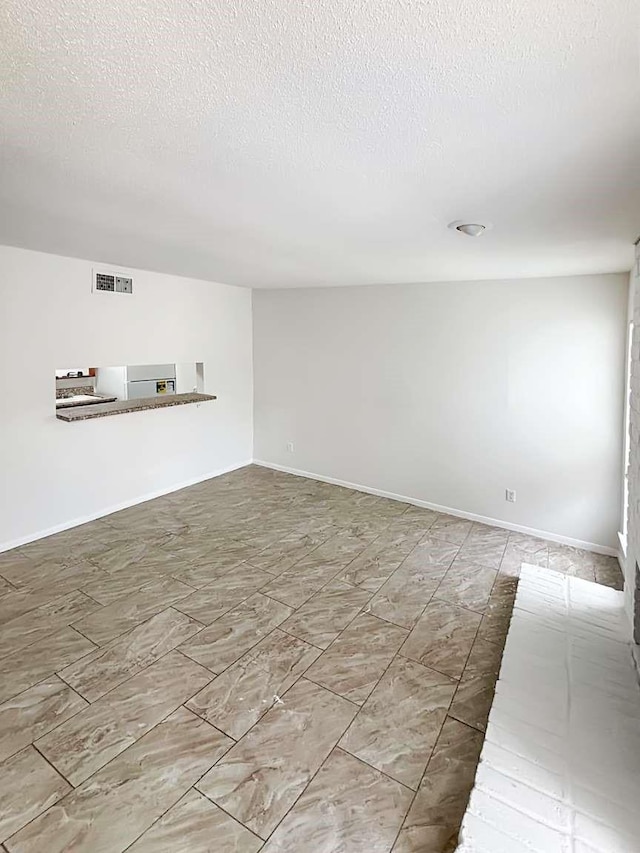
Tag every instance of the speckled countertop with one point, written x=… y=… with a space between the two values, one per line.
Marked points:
x=71 y=403
x=120 y=407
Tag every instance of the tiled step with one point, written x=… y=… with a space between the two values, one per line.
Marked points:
x=560 y=767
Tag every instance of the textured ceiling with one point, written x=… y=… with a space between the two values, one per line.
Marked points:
x=311 y=142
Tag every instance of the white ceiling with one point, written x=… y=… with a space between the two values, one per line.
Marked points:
x=312 y=142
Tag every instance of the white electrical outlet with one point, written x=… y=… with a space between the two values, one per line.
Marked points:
x=510 y=496
x=289 y=447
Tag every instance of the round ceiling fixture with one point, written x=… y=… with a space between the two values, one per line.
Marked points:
x=471 y=229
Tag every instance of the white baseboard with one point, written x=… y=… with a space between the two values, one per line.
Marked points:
x=470 y=516
x=518 y=528
x=67 y=525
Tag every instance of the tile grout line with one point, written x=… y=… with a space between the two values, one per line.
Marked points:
x=424 y=773
x=59 y=772
x=396 y=655
x=120 y=636
x=197 y=791
x=324 y=687
x=91 y=705
x=135 y=742
x=300 y=500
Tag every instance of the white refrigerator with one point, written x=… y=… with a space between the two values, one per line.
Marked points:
x=136 y=381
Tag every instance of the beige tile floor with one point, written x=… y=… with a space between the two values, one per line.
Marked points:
x=258 y=662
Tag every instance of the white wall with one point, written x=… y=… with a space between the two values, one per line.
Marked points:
x=632 y=557
x=452 y=392
x=52 y=472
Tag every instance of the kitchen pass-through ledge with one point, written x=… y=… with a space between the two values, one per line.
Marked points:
x=121 y=407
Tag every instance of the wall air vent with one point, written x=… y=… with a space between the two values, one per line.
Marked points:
x=111 y=283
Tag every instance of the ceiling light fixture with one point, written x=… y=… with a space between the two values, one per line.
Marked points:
x=471 y=229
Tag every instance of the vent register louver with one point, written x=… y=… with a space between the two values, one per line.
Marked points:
x=111 y=283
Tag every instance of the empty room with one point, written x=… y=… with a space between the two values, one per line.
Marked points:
x=320 y=424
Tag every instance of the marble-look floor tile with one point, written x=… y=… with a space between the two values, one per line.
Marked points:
x=168 y=521
x=467 y=585
x=203 y=574
x=6 y=587
x=473 y=700
x=437 y=838
x=212 y=601
x=261 y=777
x=358 y=523
x=245 y=691
x=142 y=783
x=125 y=549
x=474 y=695
x=41 y=660
x=89 y=740
x=572 y=561
x=450 y=529
x=298 y=583
x=348 y=808
x=431 y=552
x=233 y=634
x=327 y=613
x=487 y=533
x=380 y=559
x=58 y=578
x=107 y=667
x=285 y=552
x=37 y=624
x=262 y=536
x=154 y=559
x=319 y=548
x=497 y=615
x=400 y=722
x=581 y=570
x=426 y=518
x=433 y=821
x=70 y=546
x=494 y=625
x=14 y=564
x=196 y=825
x=25 y=599
x=220 y=561
x=515 y=555
x=530 y=545
x=442 y=637
x=357 y=659
x=407 y=527
x=35 y=712
x=35 y=573
x=346 y=545
x=504 y=588
x=483 y=550
x=485 y=658
x=408 y=591
x=608 y=572
x=28 y=786
x=110 y=622
x=107 y=588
